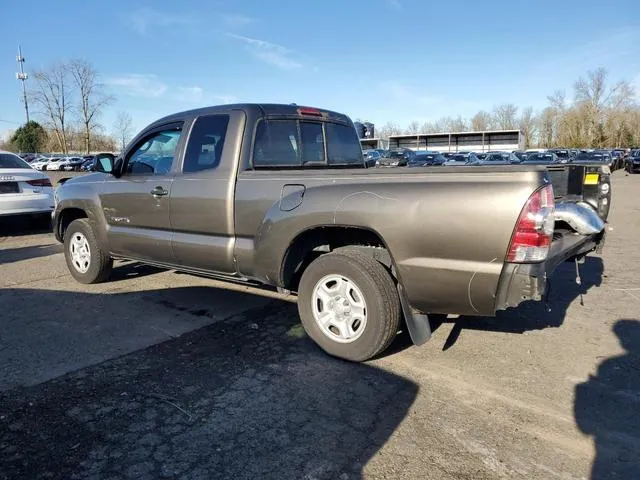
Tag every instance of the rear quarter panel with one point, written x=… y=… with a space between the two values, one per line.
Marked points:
x=447 y=229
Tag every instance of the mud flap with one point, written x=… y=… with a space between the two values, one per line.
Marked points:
x=417 y=323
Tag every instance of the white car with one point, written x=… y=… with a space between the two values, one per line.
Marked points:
x=23 y=190
x=40 y=162
x=55 y=163
x=71 y=164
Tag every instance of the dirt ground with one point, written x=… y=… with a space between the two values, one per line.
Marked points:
x=161 y=375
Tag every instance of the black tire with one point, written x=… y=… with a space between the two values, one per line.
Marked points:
x=100 y=264
x=383 y=309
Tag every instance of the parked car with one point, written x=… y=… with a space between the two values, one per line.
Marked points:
x=396 y=158
x=357 y=247
x=39 y=163
x=632 y=164
x=87 y=165
x=54 y=163
x=23 y=190
x=71 y=164
x=520 y=155
x=564 y=155
x=541 y=158
x=426 y=159
x=497 y=158
x=457 y=159
x=595 y=156
x=371 y=158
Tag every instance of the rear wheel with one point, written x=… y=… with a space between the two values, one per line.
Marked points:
x=349 y=305
x=87 y=261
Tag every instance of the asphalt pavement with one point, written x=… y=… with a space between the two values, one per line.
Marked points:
x=163 y=375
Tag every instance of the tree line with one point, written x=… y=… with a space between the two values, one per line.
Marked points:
x=599 y=114
x=68 y=99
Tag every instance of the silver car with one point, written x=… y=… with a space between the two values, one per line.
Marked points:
x=23 y=190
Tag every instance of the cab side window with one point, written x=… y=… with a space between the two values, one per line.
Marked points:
x=206 y=143
x=155 y=155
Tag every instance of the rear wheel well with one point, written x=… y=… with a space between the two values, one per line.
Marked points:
x=312 y=243
x=67 y=216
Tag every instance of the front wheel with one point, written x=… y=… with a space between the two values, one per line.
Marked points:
x=349 y=305
x=87 y=261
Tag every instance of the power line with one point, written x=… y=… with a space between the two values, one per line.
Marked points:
x=23 y=78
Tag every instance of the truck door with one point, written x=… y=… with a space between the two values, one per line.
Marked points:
x=202 y=194
x=136 y=205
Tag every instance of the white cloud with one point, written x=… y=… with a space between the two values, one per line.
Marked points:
x=198 y=95
x=395 y=4
x=151 y=86
x=270 y=53
x=189 y=94
x=139 y=85
x=236 y=20
x=145 y=20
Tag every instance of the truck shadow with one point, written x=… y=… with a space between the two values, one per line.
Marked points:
x=606 y=407
x=248 y=396
x=533 y=315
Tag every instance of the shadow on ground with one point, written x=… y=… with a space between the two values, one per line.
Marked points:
x=247 y=397
x=17 y=254
x=607 y=407
x=533 y=315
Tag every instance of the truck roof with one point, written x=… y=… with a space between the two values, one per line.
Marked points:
x=261 y=109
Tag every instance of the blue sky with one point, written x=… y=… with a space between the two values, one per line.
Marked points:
x=377 y=60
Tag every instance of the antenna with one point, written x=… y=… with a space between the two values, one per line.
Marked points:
x=23 y=78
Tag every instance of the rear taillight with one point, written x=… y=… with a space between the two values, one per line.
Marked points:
x=40 y=182
x=534 y=231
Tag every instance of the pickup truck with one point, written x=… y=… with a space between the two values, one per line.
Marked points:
x=278 y=196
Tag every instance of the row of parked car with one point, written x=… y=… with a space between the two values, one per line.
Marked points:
x=615 y=159
x=84 y=163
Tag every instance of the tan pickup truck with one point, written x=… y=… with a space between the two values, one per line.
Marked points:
x=278 y=196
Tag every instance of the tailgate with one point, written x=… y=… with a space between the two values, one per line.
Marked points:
x=578 y=231
x=583 y=182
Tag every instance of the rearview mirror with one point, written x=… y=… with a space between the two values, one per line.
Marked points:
x=104 y=163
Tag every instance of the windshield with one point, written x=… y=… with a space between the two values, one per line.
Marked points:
x=591 y=157
x=424 y=158
x=540 y=158
x=459 y=158
x=395 y=154
x=521 y=155
x=561 y=153
x=8 y=160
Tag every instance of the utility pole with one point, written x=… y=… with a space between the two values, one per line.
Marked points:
x=23 y=78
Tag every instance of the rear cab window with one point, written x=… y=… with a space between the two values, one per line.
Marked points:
x=300 y=143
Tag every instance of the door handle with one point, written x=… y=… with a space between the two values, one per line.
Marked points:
x=159 y=192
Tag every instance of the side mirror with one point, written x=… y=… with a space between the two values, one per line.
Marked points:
x=104 y=164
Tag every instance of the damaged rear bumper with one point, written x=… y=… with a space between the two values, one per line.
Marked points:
x=520 y=282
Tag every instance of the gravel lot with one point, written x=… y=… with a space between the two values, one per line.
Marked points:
x=161 y=375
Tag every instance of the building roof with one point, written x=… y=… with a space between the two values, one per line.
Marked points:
x=443 y=134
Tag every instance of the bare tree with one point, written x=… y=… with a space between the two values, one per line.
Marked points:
x=527 y=126
x=458 y=125
x=388 y=129
x=92 y=98
x=52 y=96
x=505 y=116
x=123 y=129
x=600 y=101
x=481 y=121
x=412 y=128
x=546 y=125
x=558 y=100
